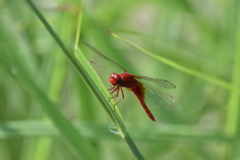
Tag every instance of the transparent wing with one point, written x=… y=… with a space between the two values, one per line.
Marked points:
x=103 y=72
x=102 y=55
x=161 y=82
x=157 y=99
x=100 y=68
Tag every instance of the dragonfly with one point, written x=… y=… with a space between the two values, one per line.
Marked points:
x=147 y=96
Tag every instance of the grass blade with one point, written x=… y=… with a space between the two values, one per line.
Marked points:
x=177 y=66
x=83 y=69
x=95 y=84
x=103 y=95
x=232 y=121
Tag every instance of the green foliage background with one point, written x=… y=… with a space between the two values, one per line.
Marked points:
x=194 y=44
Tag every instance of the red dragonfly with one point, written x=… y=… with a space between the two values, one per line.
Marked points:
x=145 y=95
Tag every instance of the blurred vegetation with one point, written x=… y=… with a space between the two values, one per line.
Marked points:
x=202 y=39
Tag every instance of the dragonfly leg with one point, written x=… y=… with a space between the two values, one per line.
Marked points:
x=121 y=98
x=111 y=88
x=115 y=89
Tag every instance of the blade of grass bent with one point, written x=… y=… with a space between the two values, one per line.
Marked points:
x=80 y=68
x=177 y=66
x=87 y=79
x=115 y=116
x=103 y=95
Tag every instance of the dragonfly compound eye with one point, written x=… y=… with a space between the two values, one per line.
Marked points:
x=115 y=79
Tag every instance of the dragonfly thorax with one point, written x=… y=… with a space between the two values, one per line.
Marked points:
x=115 y=79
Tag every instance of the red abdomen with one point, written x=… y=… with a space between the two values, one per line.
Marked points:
x=139 y=91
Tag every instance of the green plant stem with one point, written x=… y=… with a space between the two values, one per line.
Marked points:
x=133 y=147
x=232 y=121
x=83 y=73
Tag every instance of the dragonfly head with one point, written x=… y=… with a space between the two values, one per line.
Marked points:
x=115 y=79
